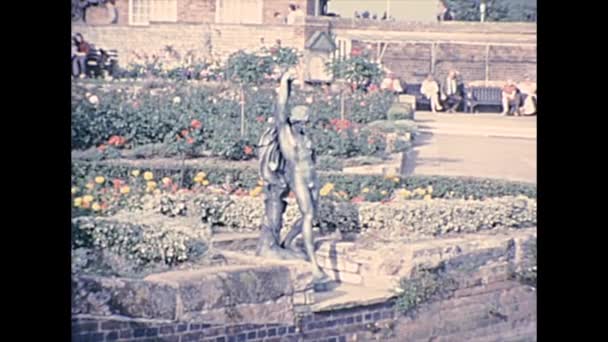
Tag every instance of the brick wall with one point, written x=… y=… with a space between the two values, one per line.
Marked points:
x=222 y=39
x=497 y=310
x=196 y=11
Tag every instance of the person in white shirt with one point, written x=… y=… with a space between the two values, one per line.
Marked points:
x=299 y=14
x=291 y=16
x=528 y=92
x=430 y=89
x=391 y=83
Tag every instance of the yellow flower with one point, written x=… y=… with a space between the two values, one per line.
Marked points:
x=166 y=181
x=151 y=185
x=96 y=207
x=90 y=186
x=135 y=173
x=405 y=193
x=205 y=182
x=74 y=190
x=125 y=189
x=77 y=201
x=429 y=189
x=201 y=175
x=148 y=175
x=383 y=192
x=156 y=192
x=326 y=189
x=87 y=198
x=261 y=182
x=365 y=190
x=256 y=191
x=419 y=191
x=396 y=179
x=99 y=179
x=427 y=197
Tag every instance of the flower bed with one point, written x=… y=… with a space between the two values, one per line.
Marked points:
x=344 y=187
x=142 y=116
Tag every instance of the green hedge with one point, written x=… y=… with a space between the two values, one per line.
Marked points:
x=352 y=185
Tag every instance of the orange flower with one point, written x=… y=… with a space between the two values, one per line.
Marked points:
x=248 y=150
x=196 y=124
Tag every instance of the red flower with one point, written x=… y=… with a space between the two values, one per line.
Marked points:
x=102 y=147
x=373 y=88
x=184 y=133
x=248 y=150
x=355 y=52
x=190 y=141
x=117 y=140
x=117 y=183
x=260 y=119
x=104 y=205
x=196 y=124
x=357 y=199
x=340 y=124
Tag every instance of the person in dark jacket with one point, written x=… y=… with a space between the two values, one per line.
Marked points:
x=452 y=91
x=82 y=50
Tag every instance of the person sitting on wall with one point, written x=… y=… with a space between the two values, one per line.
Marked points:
x=291 y=16
x=453 y=91
x=391 y=83
x=528 y=94
x=511 y=99
x=430 y=89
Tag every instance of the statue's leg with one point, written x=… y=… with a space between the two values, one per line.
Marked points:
x=296 y=229
x=269 y=242
x=304 y=196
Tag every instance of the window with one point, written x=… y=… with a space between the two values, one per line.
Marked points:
x=142 y=12
x=238 y=11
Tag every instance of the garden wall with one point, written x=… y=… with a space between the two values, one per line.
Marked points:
x=481 y=51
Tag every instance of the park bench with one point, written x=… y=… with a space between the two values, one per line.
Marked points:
x=483 y=96
x=99 y=60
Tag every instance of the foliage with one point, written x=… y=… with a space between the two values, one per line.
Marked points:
x=400 y=111
x=248 y=68
x=358 y=70
x=496 y=10
x=423 y=285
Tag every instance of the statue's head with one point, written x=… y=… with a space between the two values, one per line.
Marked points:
x=299 y=114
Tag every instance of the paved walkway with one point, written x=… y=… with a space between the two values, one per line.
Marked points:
x=480 y=145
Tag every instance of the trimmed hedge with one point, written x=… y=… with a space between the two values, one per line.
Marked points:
x=352 y=185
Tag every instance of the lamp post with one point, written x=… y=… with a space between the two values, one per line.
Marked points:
x=482 y=10
x=388 y=9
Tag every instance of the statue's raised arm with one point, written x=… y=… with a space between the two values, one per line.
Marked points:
x=280 y=112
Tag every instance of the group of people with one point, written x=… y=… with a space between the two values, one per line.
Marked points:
x=517 y=99
x=368 y=15
x=448 y=96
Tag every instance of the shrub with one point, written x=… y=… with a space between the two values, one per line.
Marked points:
x=423 y=285
x=400 y=111
x=140 y=243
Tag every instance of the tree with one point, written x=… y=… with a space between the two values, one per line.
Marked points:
x=497 y=10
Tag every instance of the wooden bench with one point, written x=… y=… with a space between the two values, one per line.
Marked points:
x=99 y=60
x=483 y=96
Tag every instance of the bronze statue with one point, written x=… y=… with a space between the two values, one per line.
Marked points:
x=287 y=164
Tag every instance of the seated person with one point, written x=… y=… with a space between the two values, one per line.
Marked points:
x=511 y=99
x=528 y=94
x=453 y=91
x=82 y=50
x=391 y=83
x=430 y=89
